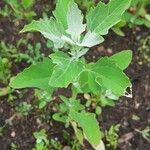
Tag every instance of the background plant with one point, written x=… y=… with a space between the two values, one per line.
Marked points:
x=136 y=15
x=24 y=108
x=104 y=80
x=21 y=9
x=86 y=4
x=112 y=136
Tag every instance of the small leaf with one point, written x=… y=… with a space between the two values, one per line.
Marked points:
x=49 y=28
x=35 y=76
x=75 y=21
x=118 y=28
x=89 y=124
x=104 y=16
x=110 y=95
x=88 y=83
x=27 y=3
x=98 y=110
x=42 y=104
x=122 y=59
x=60 y=117
x=91 y=39
x=72 y=103
x=66 y=70
x=60 y=58
x=107 y=102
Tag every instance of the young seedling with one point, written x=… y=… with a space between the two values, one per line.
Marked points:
x=104 y=79
x=112 y=136
x=24 y=108
x=43 y=98
x=42 y=142
x=145 y=133
x=13 y=146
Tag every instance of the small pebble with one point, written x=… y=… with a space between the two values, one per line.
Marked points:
x=125 y=124
x=1 y=110
x=66 y=148
x=13 y=134
x=137 y=105
x=87 y=96
x=100 y=48
x=56 y=138
x=16 y=23
x=109 y=51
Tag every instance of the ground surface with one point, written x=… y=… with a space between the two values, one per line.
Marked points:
x=122 y=113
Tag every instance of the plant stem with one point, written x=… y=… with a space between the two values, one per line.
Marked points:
x=74 y=92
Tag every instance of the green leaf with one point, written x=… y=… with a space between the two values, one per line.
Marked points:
x=118 y=31
x=109 y=76
x=122 y=59
x=61 y=11
x=89 y=125
x=35 y=76
x=49 y=28
x=107 y=102
x=105 y=74
x=104 y=16
x=60 y=117
x=118 y=28
x=72 y=103
x=59 y=58
x=75 y=21
x=27 y=3
x=66 y=70
x=87 y=81
x=134 y=3
x=135 y=20
x=91 y=39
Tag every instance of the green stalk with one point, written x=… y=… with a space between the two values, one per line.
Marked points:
x=74 y=92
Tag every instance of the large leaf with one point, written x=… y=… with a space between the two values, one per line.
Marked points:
x=61 y=11
x=66 y=70
x=104 y=74
x=110 y=76
x=49 y=28
x=104 y=16
x=75 y=21
x=35 y=76
x=89 y=124
x=122 y=59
